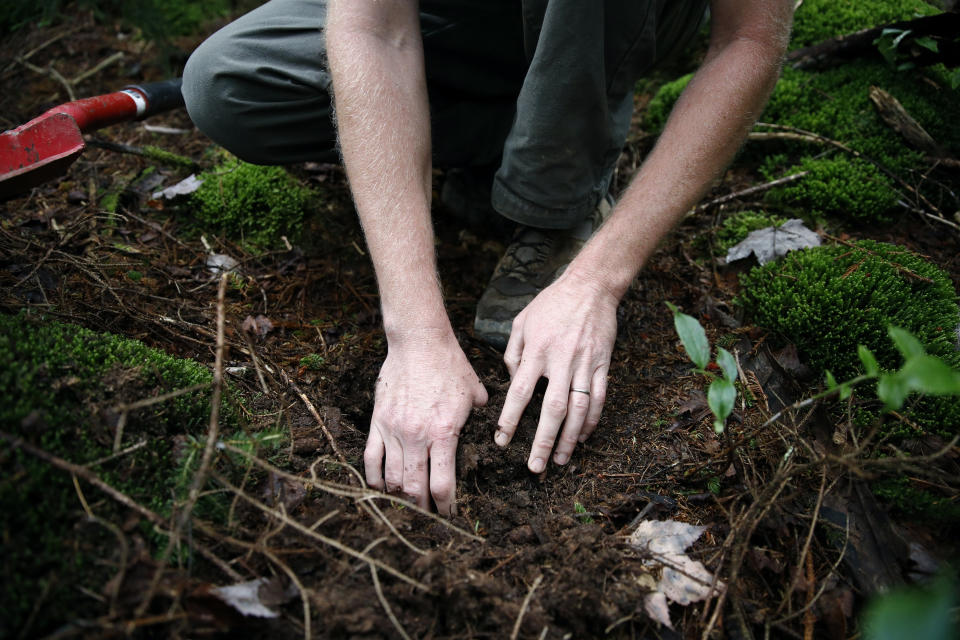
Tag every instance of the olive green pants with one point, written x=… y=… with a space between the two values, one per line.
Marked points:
x=540 y=89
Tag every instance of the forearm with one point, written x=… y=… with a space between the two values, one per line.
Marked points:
x=704 y=131
x=376 y=62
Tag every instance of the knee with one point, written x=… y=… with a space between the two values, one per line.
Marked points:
x=206 y=81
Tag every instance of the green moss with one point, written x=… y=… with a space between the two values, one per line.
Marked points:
x=61 y=384
x=836 y=104
x=828 y=300
x=818 y=20
x=252 y=203
x=662 y=102
x=915 y=502
x=313 y=361
x=839 y=186
x=738 y=226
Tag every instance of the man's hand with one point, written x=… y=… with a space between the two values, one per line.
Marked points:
x=424 y=395
x=565 y=334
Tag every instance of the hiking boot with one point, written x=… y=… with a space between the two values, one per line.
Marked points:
x=534 y=259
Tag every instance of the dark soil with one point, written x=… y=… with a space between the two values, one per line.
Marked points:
x=655 y=453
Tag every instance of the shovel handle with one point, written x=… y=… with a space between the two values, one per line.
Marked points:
x=132 y=103
x=160 y=96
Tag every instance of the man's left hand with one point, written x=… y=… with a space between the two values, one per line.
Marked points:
x=566 y=335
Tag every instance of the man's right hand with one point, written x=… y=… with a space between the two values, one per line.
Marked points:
x=424 y=395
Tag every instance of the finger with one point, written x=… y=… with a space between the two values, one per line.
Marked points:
x=443 y=465
x=598 y=395
x=577 y=407
x=518 y=396
x=480 y=396
x=393 y=465
x=552 y=413
x=514 y=350
x=415 y=474
x=373 y=459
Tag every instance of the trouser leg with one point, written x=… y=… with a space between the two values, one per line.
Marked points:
x=575 y=104
x=260 y=86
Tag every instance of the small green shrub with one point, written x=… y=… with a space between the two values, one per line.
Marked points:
x=253 y=203
x=738 y=226
x=60 y=385
x=818 y=20
x=927 y=611
x=829 y=300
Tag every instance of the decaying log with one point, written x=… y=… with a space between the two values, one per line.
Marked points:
x=942 y=27
x=897 y=118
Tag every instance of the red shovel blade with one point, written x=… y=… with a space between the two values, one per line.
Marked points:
x=37 y=151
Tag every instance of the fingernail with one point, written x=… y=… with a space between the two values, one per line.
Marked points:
x=501 y=439
x=582 y=438
x=538 y=465
x=561 y=458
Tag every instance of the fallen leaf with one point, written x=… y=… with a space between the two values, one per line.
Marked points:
x=218 y=262
x=185 y=187
x=772 y=242
x=245 y=598
x=259 y=326
x=682 y=579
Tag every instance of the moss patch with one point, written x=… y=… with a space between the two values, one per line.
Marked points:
x=251 y=203
x=61 y=384
x=818 y=20
x=828 y=300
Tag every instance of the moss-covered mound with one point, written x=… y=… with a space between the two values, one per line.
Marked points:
x=828 y=300
x=818 y=20
x=61 y=385
x=251 y=203
x=836 y=104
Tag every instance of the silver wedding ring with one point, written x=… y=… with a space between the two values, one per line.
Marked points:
x=586 y=391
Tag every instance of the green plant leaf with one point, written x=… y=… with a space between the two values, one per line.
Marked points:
x=727 y=362
x=693 y=337
x=720 y=398
x=927 y=43
x=906 y=344
x=930 y=375
x=831 y=381
x=892 y=390
x=913 y=613
x=869 y=361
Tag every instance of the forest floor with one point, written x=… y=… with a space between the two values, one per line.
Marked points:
x=528 y=556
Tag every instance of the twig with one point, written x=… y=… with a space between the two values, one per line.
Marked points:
x=316 y=416
x=53 y=73
x=810 y=136
x=336 y=544
x=751 y=190
x=256 y=362
x=200 y=477
x=40 y=47
x=905 y=271
x=386 y=605
x=304 y=597
x=523 y=608
x=92 y=478
x=103 y=64
x=124 y=409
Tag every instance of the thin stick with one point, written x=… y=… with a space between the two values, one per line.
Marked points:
x=103 y=64
x=316 y=416
x=125 y=500
x=523 y=608
x=336 y=544
x=386 y=605
x=200 y=477
x=124 y=410
x=304 y=598
x=751 y=190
